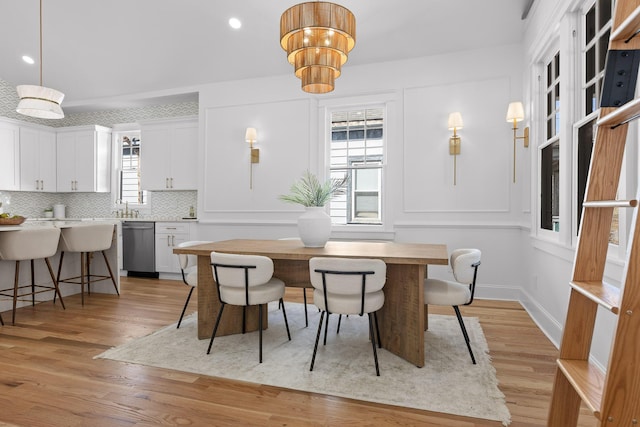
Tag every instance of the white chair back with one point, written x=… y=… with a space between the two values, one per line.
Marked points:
x=260 y=273
x=87 y=238
x=189 y=261
x=463 y=263
x=348 y=285
x=29 y=243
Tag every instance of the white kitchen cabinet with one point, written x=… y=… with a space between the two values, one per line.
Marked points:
x=84 y=159
x=168 y=155
x=37 y=160
x=168 y=236
x=9 y=156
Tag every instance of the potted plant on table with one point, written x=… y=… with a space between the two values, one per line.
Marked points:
x=314 y=225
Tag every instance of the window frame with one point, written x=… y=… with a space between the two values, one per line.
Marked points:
x=118 y=131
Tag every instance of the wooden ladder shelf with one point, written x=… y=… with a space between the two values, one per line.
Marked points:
x=614 y=396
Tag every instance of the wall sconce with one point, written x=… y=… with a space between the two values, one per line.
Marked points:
x=455 y=123
x=251 y=136
x=515 y=114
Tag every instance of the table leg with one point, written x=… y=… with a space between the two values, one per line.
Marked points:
x=402 y=319
x=209 y=306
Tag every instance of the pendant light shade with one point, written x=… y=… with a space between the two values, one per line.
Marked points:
x=317 y=37
x=39 y=101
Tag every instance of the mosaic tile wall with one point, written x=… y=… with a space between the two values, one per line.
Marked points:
x=164 y=204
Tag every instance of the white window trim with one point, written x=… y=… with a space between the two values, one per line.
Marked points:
x=388 y=101
x=117 y=131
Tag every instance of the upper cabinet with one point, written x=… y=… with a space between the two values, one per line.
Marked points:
x=84 y=159
x=168 y=158
x=37 y=160
x=9 y=159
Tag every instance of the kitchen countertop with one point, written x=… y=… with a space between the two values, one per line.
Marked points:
x=77 y=222
x=147 y=219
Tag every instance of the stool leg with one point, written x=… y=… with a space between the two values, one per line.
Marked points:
x=15 y=292
x=55 y=283
x=33 y=286
x=59 y=270
x=82 y=275
x=87 y=256
x=113 y=279
x=1 y=321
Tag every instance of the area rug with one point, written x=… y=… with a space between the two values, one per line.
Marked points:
x=448 y=382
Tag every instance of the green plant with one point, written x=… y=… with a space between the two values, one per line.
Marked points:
x=309 y=191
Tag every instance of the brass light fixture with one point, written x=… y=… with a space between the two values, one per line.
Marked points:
x=454 y=123
x=251 y=136
x=39 y=101
x=317 y=37
x=515 y=114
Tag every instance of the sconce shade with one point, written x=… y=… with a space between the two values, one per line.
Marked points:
x=251 y=135
x=455 y=121
x=515 y=112
x=317 y=37
x=39 y=101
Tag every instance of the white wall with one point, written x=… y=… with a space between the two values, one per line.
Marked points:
x=485 y=209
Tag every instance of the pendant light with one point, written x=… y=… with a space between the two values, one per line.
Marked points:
x=39 y=101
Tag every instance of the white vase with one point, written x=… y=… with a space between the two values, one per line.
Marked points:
x=314 y=227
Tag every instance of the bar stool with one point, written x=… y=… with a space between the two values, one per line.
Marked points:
x=29 y=244
x=86 y=239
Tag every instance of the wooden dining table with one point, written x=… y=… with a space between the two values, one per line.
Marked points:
x=402 y=319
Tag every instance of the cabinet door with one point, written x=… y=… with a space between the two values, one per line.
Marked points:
x=154 y=158
x=37 y=160
x=85 y=164
x=10 y=158
x=29 y=160
x=47 y=161
x=166 y=260
x=184 y=147
x=66 y=159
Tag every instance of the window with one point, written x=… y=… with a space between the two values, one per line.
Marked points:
x=129 y=173
x=357 y=150
x=550 y=151
x=597 y=26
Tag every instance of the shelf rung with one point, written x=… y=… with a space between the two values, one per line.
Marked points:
x=628 y=28
x=610 y=204
x=587 y=380
x=626 y=113
x=602 y=293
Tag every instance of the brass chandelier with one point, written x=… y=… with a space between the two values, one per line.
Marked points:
x=317 y=37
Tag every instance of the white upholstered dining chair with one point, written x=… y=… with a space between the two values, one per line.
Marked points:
x=189 y=270
x=348 y=286
x=464 y=263
x=246 y=280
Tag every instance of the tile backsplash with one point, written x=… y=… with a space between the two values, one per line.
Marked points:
x=163 y=204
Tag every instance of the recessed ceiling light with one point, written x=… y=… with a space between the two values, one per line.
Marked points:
x=28 y=60
x=235 y=23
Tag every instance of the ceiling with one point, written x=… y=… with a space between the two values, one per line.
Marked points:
x=122 y=53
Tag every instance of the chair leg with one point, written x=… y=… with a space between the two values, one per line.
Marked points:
x=286 y=323
x=315 y=348
x=55 y=284
x=33 y=285
x=215 y=328
x=244 y=317
x=15 y=292
x=1 y=321
x=373 y=343
x=260 y=328
x=464 y=333
x=306 y=317
x=375 y=317
x=185 y=307
x=339 y=322
x=326 y=327
x=113 y=279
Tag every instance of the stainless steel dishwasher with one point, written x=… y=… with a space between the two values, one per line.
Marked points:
x=138 y=248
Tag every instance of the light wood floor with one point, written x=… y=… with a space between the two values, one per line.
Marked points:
x=48 y=376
